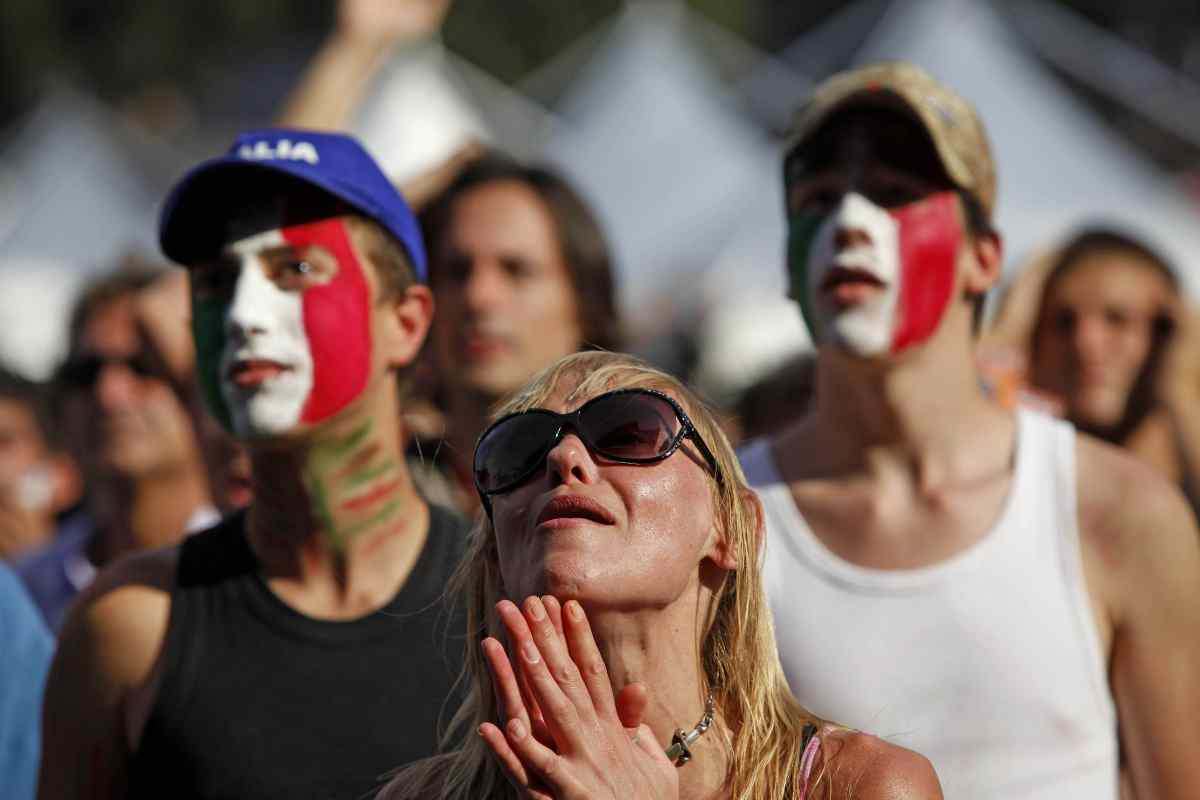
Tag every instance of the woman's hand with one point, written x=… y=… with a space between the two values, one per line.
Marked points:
x=566 y=736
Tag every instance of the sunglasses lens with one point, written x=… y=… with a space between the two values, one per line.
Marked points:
x=513 y=449
x=631 y=426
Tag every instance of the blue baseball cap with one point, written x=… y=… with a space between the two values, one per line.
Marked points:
x=196 y=214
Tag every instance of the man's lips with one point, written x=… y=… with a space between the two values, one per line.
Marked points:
x=567 y=507
x=477 y=346
x=847 y=286
x=251 y=372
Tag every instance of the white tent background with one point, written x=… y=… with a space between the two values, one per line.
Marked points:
x=78 y=189
x=660 y=147
x=428 y=103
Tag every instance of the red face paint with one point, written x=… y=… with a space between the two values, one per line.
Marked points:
x=930 y=233
x=337 y=321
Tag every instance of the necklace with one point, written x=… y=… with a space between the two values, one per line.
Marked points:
x=680 y=750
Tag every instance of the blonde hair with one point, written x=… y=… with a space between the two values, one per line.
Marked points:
x=738 y=656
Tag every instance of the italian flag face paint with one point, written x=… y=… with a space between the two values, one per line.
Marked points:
x=302 y=333
x=910 y=252
x=337 y=320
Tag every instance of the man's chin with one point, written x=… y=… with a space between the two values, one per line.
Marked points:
x=1097 y=419
x=493 y=381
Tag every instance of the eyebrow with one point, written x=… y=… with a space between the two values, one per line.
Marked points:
x=272 y=252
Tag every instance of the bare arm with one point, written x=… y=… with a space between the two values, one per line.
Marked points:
x=366 y=34
x=1140 y=529
x=95 y=700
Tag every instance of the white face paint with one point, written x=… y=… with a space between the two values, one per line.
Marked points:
x=266 y=366
x=865 y=327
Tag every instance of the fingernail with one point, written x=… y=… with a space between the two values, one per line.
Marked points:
x=535 y=609
x=530 y=651
x=516 y=730
x=479 y=730
x=575 y=610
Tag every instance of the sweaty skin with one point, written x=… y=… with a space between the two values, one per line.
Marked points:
x=300 y=299
x=910 y=250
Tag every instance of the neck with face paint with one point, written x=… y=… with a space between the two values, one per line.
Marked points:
x=337 y=523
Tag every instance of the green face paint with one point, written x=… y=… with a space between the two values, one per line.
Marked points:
x=337 y=466
x=802 y=229
x=208 y=332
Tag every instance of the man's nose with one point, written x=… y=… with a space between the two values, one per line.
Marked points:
x=849 y=236
x=248 y=313
x=116 y=386
x=484 y=286
x=1089 y=337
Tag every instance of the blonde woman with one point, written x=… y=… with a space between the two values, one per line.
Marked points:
x=640 y=661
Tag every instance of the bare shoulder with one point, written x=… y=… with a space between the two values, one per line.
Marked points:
x=1136 y=528
x=1118 y=487
x=118 y=623
x=102 y=676
x=1125 y=507
x=868 y=768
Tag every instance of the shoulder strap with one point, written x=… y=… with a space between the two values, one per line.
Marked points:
x=812 y=744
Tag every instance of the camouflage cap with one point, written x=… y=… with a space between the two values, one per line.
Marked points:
x=950 y=121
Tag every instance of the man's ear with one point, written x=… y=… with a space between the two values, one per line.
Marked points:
x=406 y=323
x=987 y=263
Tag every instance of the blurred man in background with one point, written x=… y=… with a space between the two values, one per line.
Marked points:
x=132 y=424
x=299 y=649
x=1026 y=591
x=38 y=479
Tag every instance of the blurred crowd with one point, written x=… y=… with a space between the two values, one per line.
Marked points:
x=120 y=452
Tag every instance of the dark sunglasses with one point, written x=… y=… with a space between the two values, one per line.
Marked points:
x=628 y=426
x=82 y=372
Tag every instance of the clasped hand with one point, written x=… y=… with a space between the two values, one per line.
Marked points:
x=566 y=735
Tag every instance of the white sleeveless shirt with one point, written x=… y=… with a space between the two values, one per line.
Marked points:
x=988 y=663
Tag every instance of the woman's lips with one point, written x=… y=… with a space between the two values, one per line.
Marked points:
x=568 y=509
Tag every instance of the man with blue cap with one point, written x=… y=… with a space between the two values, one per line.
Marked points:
x=297 y=649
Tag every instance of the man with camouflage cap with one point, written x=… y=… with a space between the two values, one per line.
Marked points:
x=989 y=588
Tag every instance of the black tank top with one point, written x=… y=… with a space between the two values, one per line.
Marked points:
x=260 y=701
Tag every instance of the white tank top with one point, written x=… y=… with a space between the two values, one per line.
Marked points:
x=988 y=663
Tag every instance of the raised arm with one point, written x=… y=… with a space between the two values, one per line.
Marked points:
x=366 y=34
x=1144 y=536
x=101 y=682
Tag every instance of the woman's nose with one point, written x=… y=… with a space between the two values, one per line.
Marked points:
x=570 y=461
